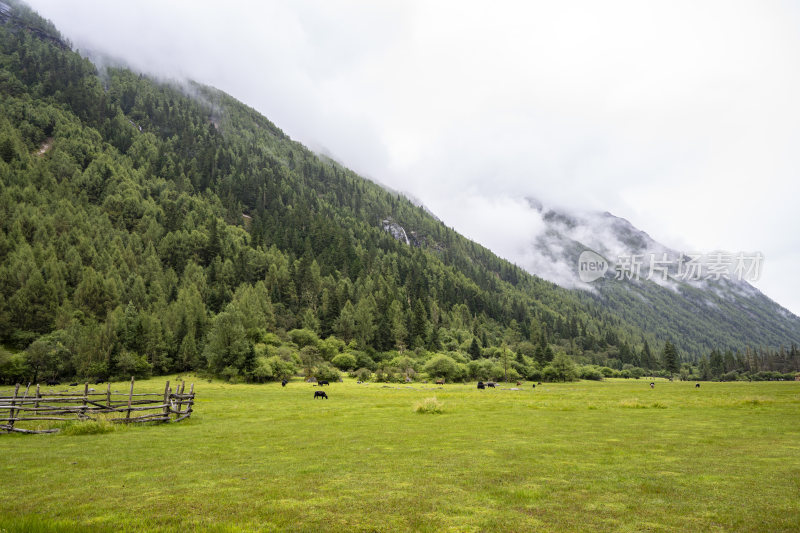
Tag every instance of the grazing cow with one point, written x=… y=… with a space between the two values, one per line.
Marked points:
x=534 y=385
x=73 y=384
x=322 y=382
x=52 y=382
x=440 y=382
x=491 y=384
x=320 y=394
x=652 y=385
x=481 y=385
x=539 y=383
x=283 y=382
x=99 y=381
x=697 y=386
x=519 y=383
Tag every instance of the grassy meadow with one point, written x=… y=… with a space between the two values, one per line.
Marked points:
x=599 y=456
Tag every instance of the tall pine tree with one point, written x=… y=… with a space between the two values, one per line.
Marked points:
x=670 y=358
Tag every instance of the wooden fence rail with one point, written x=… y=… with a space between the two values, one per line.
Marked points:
x=171 y=406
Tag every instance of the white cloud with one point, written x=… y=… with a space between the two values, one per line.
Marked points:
x=680 y=116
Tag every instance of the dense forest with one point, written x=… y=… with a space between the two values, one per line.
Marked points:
x=150 y=227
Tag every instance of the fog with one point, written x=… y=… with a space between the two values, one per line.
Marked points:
x=681 y=117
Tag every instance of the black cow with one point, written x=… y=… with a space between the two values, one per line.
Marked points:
x=481 y=385
x=534 y=385
x=697 y=386
x=491 y=384
x=320 y=394
x=283 y=383
x=99 y=381
x=73 y=384
x=322 y=382
x=652 y=385
x=52 y=382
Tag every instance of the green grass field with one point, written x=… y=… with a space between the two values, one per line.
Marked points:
x=610 y=456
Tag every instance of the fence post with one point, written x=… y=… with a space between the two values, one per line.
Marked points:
x=36 y=405
x=108 y=395
x=130 y=397
x=179 y=390
x=22 y=402
x=191 y=401
x=166 y=400
x=85 y=397
x=12 y=411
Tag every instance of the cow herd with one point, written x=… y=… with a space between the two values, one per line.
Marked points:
x=653 y=385
x=481 y=386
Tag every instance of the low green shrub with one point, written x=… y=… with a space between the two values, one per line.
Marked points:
x=590 y=373
x=327 y=372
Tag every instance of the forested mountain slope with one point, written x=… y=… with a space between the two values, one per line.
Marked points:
x=155 y=227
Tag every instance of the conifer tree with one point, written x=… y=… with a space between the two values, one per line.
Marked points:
x=474 y=349
x=670 y=358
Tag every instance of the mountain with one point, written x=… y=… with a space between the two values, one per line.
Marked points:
x=710 y=306
x=152 y=227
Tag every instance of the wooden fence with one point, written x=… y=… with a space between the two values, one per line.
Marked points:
x=33 y=406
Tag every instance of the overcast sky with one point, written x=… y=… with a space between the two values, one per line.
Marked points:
x=683 y=117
